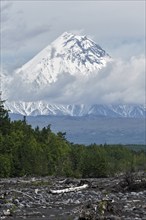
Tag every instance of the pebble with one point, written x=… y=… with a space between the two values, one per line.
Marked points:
x=103 y=199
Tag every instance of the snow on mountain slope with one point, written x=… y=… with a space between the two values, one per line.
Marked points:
x=77 y=55
x=44 y=108
x=5 y=82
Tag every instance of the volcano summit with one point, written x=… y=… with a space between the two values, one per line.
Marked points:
x=69 y=53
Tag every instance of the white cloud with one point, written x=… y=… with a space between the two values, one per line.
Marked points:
x=120 y=82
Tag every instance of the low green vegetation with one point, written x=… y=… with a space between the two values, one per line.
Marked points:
x=28 y=151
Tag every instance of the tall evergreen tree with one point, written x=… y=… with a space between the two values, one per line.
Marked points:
x=4 y=118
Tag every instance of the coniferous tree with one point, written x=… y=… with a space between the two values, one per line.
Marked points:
x=4 y=118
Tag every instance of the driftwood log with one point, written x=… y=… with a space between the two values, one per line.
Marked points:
x=71 y=189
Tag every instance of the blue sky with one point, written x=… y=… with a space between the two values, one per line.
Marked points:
x=29 y=26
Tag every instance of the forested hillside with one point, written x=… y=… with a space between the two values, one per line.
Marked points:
x=28 y=151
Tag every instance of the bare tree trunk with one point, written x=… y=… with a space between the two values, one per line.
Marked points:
x=71 y=189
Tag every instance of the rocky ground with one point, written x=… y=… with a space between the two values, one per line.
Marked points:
x=122 y=197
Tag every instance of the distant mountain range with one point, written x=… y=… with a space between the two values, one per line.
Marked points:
x=92 y=129
x=44 y=108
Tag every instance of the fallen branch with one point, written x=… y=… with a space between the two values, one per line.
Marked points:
x=71 y=189
x=25 y=194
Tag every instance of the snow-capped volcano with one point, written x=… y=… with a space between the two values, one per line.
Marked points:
x=69 y=53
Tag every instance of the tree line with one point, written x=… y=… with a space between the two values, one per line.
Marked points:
x=33 y=151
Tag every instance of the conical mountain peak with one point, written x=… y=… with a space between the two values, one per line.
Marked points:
x=74 y=54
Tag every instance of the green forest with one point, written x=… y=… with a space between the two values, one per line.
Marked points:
x=33 y=151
